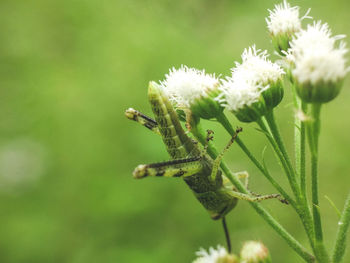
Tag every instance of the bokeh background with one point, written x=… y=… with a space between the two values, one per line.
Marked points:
x=69 y=69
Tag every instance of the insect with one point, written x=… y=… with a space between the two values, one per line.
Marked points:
x=190 y=161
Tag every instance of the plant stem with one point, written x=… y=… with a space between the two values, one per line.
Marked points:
x=227 y=235
x=222 y=119
x=302 y=154
x=292 y=242
x=278 y=138
x=313 y=135
x=343 y=224
x=302 y=207
x=314 y=131
x=299 y=141
x=280 y=156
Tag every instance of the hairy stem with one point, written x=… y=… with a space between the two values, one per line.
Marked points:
x=299 y=141
x=343 y=226
x=281 y=158
x=302 y=154
x=278 y=138
x=302 y=207
x=313 y=135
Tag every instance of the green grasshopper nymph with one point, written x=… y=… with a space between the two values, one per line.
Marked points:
x=189 y=161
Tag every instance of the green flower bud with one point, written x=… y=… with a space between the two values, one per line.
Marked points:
x=273 y=95
x=251 y=113
x=318 y=93
x=281 y=42
x=206 y=106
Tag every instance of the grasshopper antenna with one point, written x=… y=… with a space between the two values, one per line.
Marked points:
x=227 y=235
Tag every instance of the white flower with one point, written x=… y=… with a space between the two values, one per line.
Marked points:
x=258 y=67
x=315 y=55
x=212 y=256
x=185 y=85
x=249 y=79
x=237 y=92
x=284 y=19
x=254 y=252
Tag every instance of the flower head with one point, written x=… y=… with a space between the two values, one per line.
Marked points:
x=255 y=86
x=219 y=255
x=190 y=88
x=318 y=63
x=282 y=23
x=254 y=252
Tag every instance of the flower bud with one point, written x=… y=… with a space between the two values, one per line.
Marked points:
x=193 y=90
x=318 y=93
x=283 y=22
x=255 y=87
x=318 y=64
x=273 y=95
x=254 y=252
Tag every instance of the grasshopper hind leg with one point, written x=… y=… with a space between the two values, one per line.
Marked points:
x=175 y=168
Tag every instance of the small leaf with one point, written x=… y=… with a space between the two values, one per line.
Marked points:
x=333 y=205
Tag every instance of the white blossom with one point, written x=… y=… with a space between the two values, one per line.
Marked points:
x=258 y=67
x=237 y=92
x=212 y=256
x=284 y=19
x=249 y=79
x=316 y=55
x=184 y=85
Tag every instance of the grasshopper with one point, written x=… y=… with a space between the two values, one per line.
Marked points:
x=189 y=161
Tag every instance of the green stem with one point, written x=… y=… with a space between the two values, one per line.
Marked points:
x=280 y=156
x=344 y=223
x=297 y=131
x=302 y=207
x=278 y=138
x=222 y=119
x=293 y=243
x=299 y=141
x=314 y=132
x=313 y=135
x=302 y=153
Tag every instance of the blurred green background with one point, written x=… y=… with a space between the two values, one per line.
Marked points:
x=69 y=69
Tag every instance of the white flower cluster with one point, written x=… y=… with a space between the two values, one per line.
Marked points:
x=249 y=79
x=315 y=55
x=212 y=256
x=185 y=85
x=284 y=18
